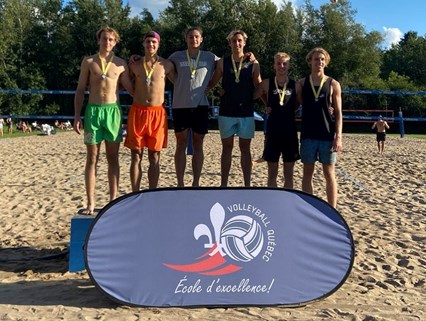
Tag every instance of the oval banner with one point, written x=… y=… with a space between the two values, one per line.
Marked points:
x=218 y=247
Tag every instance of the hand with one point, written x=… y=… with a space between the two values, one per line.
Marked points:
x=250 y=57
x=134 y=59
x=268 y=110
x=77 y=125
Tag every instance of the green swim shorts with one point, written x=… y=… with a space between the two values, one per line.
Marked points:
x=102 y=122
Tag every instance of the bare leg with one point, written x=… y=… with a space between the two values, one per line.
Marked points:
x=288 y=169
x=331 y=184
x=272 y=174
x=154 y=168
x=308 y=174
x=197 y=158
x=136 y=169
x=226 y=159
x=246 y=162
x=180 y=156
x=90 y=175
x=113 y=168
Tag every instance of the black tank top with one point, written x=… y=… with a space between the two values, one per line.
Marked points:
x=317 y=122
x=237 y=100
x=281 y=120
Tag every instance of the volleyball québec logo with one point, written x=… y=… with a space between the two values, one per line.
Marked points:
x=240 y=238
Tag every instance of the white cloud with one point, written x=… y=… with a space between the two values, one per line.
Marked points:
x=391 y=36
x=153 y=6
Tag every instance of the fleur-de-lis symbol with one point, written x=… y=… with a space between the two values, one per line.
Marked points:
x=217 y=217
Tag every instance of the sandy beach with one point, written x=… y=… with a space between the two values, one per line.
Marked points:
x=382 y=198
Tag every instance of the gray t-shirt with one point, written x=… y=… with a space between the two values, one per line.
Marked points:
x=190 y=92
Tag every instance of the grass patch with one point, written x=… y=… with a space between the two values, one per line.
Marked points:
x=18 y=133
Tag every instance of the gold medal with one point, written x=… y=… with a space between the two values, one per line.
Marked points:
x=316 y=93
x=103 y=67
x=237 y=71
x=281 y=93
x=149 y=72
x=193 y=67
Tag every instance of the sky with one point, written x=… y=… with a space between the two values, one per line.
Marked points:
x=392 y=18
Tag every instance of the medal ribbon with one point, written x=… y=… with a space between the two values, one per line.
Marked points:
x=105 y=68
x=316 y=93
x=192 y=67
x=237 y=72
x=149 y=73
x=281 y=93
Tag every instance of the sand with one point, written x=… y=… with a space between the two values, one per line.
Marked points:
x=382 y=197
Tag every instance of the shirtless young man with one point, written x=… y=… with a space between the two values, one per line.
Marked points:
x=240 y=75
x=147 y=118
x=321 y=133
x=381 y=126
x=101 y=73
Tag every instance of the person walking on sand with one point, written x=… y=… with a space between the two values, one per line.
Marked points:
x=193 y=71
x=281 y=132
x=240 y=74
x=381 y=125
x=321 y=132
x=102 y=73
x=147 y=118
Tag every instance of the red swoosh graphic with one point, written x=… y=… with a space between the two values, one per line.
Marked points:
x=205 y=265
x=231 y=268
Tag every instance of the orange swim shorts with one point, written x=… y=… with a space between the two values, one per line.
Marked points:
x=146 y=127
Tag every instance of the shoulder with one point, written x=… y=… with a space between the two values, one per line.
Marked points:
x=119 y=61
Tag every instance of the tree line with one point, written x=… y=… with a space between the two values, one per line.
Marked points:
x=43 y=42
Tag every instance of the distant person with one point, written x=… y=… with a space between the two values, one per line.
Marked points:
x=240 y=76
x=147 y=118
x=381 y=126
x=25 y=128
x=1 y=126
x=194 y=69
x=102 y=73
x=321 y=132
x=281 y=131
x=9 y=124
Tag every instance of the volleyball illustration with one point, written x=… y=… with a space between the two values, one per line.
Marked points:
x=242 y=238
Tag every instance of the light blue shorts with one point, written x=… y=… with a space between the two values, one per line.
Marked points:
x=312 y=150
x=243 y=127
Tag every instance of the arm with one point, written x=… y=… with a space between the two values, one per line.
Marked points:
x=170 y=71
x=299 y=86
x=374 y=125
x=217 y=75
x=386 y=125
x=337 y=103
x=257 y=79
x=83 y=82
x=126 y=81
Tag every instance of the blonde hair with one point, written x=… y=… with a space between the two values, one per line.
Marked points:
x=233 y=33
x=110 y=30
x=321 y=51
x=281 y=56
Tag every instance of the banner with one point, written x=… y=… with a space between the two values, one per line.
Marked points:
x=218 y=247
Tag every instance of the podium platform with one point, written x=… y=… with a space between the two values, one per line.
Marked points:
x=80 y=225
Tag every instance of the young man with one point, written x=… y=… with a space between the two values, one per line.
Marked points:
x=147 y=118
x=381 y=126
x=240 y=75
x=101 y=73
x=194 y=69
x=321 y=133
x=281 y=131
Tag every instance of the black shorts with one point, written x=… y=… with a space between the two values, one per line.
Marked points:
x=381 y=137
x=287 y=146
x=195 y=118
